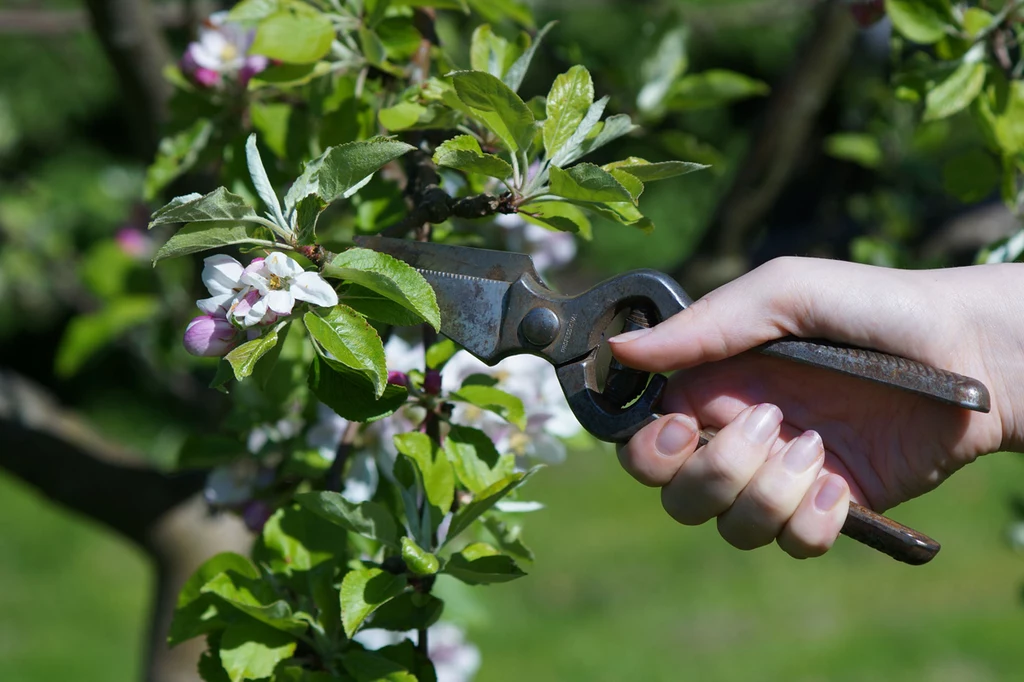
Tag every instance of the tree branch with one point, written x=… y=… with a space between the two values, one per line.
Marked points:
x=429 y=204
x=62 y=457
x=770 y=163
x=137 y=50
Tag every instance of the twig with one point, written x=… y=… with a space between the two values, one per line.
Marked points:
x=334 y=473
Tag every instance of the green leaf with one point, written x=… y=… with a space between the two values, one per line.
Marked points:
x=197 y=237
x=860 y=148
x=976 y=20
x=612 y=129
x=923 y=21
x=646 y=171
x=371 y=666
x=497 y=106
x=408 y=611
x=256 y=599
x=475 y=459
x=587 y=182
x=574 y=147
x=484 y=500
x=481 y=564
x=350 y=393
x=87 y=334
x=517 y=72
x=261 y=182
x=251 y=651
x=490 y=52
x=419 y=560
x=307 y=211
x=219 y=205
x=557 y=215
x=376 y=307
x=341 y=170
x=956 y=92
x=362 y=591
x=436 y=470
x=505 y=405
x=249 y=11
x=390 y=278
x=568 y=102
x=632 y=184
x=296 y=539
x=367 y=519
x=244 y=358
x=713 y=88
x=463 y=153
x=440 y=353
x=507 y=537
x=176 y=155
x=352 y=341
x=971 y=176
x=198 y=613
x=210 y=668
x=667 y=63
x=297 y=38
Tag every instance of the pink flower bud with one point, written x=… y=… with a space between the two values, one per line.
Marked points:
x=209 y=336
x=133 y=242
x=432 y=382
x=398 y=378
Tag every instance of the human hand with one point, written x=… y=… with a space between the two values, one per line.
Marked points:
x=766 y=476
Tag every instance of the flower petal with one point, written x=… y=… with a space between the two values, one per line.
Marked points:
x=255 y=314
x=221 y=274
x=282 y=266
x=280 y=301
x=309 y=286
x=217 y=304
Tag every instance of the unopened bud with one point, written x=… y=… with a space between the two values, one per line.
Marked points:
x=209 y=336
x=432 y=382
x=398 y=378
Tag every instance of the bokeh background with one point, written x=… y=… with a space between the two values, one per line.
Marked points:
x=816 y=157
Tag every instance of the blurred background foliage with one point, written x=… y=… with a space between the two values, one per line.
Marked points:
x=811 y=154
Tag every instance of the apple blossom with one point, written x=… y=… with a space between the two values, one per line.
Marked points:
x=220 y=275
x=279 y=281
x=221 y=49
x=210 y=336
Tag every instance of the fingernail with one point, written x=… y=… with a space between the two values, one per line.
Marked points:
x=802 y=453
x=829 y=494
x=675 y=436
x=760 y=424
x=631 y=336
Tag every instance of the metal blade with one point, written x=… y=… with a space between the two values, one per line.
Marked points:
x=482 y=263
x=470 y=284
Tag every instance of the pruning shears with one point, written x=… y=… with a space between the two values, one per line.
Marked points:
x=495 y=304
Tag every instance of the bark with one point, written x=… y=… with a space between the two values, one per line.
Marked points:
x=59 y=455
x=138 y=51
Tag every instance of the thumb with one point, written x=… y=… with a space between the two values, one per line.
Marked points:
x=809 y=297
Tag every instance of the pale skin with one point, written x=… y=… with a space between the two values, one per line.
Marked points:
x=796 y=444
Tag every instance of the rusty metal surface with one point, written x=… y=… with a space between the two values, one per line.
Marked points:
x=494 y=304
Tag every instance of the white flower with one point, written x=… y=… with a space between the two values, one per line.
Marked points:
x=221 y=276
x=454 y=658
x=221 y=49
x=278 y=282
x=549 y=249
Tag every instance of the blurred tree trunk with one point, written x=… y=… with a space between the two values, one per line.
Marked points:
x=781 y=143
x=163 y=514
x=136 y=47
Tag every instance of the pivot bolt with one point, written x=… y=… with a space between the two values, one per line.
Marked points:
x=540 y=327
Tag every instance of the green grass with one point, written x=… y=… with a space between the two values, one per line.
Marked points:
x=619 y=592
